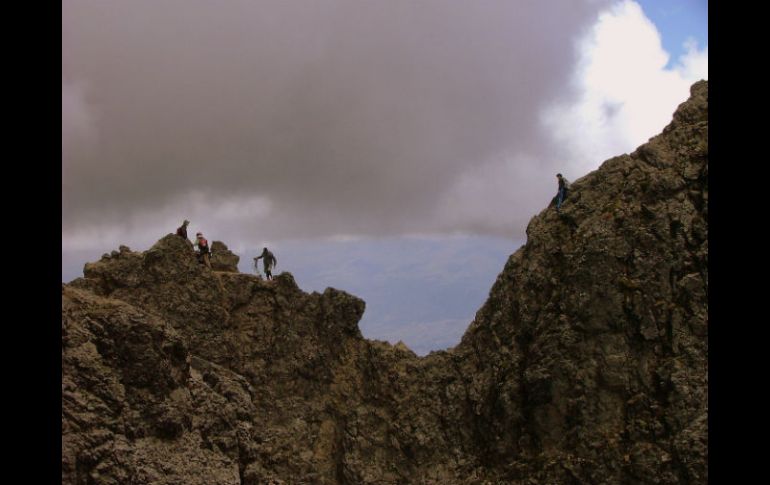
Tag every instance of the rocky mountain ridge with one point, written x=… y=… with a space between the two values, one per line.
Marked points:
x=587 y=364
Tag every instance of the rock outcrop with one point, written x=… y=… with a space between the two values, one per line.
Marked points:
x=222 y=259
x=587 y=364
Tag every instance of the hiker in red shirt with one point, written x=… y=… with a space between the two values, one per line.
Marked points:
x=203 y=249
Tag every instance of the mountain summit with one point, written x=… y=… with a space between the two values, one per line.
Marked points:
x=587 y=364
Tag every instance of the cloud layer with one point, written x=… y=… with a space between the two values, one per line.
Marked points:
x=342 y=117
x=283 y=119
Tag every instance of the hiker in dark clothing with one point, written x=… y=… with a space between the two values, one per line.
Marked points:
x=268 y=262
x=203 y=249
x=182 y=230
x=563 y=190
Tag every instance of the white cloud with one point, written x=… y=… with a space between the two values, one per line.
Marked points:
x=694 y=65
x=626 y=93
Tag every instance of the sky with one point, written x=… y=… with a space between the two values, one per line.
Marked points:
x=392 y=149
x=680 y=22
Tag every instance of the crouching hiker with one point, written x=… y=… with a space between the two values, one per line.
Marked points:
x=204 y=254
x=182 y=230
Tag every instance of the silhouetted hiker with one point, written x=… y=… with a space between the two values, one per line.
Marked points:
x=268 y=262
x=563 y=190
x=203 y=249
x=182 y=230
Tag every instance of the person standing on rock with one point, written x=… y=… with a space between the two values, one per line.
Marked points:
x=268 y=262
x=563 y=190
x=203 y=249
x=182 y=230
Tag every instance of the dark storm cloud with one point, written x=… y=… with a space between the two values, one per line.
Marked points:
x=353 y=117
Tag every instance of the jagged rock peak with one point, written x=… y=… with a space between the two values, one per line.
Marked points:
x=587 y=363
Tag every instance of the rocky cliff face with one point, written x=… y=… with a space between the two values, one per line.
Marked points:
x=587 y=364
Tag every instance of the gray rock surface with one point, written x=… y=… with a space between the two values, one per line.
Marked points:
x=587 y=364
